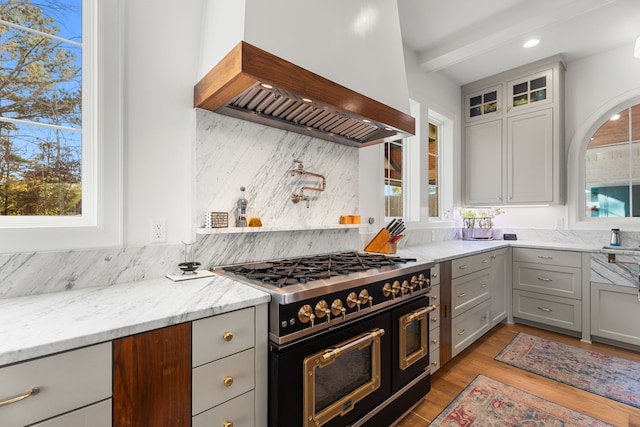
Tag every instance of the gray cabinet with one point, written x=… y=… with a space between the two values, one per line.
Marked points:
x=615 y=313
x=66 y=382
x=500 y=284
x=515 y=155
x=547 y=287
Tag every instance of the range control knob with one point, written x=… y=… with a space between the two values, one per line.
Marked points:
x=352 y=300
x=388 y=291
x=407 y=287
x=396 y=287
x=337 y=309
x=365 y=298
x=420 y=281
x=322 y=309
x=305 y=314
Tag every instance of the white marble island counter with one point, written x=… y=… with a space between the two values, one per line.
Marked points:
x=40 y=325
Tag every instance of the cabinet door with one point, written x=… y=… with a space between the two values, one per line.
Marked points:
x=530 y=91
x=530 y=157
x=152 y=378
x=615 y=313
x=499 y=280
x=483 y=104
x=483 y=163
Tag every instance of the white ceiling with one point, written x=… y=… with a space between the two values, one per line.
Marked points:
x=472 y=39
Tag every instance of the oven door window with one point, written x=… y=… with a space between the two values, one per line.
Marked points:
x=413 y=336
x=336 y=379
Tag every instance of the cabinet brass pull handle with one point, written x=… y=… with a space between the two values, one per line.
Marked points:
x=483 y=318
x=462 y=267
x=227 y=336
x=545 y=309
x=434 y=363
x=484 y=261
x=484 y=285
x=434 y=341
x=434 y=275
x=461 y=332
x=228 y=381
x=545 y=279
x=227 y=424
x=461 y=294
x=34 y=390
x=493 y=257
x=545 y=257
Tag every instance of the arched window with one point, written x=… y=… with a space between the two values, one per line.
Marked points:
x=612 y=167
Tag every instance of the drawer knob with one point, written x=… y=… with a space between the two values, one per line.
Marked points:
x=433 y=297
x=434 y=275
x=434 y=341
x=227 y=424
x=228 y=381
x=434 y=319
x=227 y=336
x=434 y=363
x=34 y=390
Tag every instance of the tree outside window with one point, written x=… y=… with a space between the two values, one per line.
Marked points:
x=40 y=108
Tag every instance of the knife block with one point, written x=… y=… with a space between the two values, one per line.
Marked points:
x=381 y=243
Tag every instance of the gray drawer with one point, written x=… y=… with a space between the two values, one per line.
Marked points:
x=548 y=279
x=434 y=295
x=434 y=340
x=548 y=257
x=470 y=264
x=547 y=309
x=435 y=275
x=219 y=336
x=469 y=290
x=469 y=326
x=238 y=411
x=434 y=360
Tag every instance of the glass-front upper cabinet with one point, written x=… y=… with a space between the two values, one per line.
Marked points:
x=530 y=91
x=483 y=104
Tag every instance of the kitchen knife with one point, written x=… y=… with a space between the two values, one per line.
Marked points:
x=391 y=224
x=394 y=230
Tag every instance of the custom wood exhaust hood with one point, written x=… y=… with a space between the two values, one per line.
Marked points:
x=252 y=84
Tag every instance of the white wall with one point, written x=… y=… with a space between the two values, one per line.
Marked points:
x=161 y=49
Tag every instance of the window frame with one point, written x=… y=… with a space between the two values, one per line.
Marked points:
x=101 y=222
x=576 y=197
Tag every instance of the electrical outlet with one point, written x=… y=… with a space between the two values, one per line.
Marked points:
x=158 y=230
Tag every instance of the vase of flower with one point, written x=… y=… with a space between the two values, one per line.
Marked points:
x=477 y=224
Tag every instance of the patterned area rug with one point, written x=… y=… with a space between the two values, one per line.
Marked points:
x=607 y=376
x=489 y=403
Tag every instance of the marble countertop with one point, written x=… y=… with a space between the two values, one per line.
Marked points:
x=40 y=325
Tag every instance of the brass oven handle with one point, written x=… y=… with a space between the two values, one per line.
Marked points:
x=227 y=336
x=420 y=313
x=34 y=390
x=359 y=342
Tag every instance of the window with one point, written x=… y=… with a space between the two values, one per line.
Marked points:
x=394 y=179
x=40 y=108
x=60 y=124
x=434 y=171
x=612 y=167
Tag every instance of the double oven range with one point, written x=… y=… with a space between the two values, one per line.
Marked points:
x=348 y=337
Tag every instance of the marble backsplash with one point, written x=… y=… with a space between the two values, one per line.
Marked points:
x=231 y=153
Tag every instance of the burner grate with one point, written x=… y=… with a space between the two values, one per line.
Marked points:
x=314 y=267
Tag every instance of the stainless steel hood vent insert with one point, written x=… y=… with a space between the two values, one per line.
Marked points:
x=254 y=85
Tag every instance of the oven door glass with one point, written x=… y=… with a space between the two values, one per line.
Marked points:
x=413 y=336
x=337 y=378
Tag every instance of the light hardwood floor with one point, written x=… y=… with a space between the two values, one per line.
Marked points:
x=451 y=379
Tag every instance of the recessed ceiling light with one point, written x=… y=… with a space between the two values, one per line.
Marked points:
x=531 y=43
x=615 y=117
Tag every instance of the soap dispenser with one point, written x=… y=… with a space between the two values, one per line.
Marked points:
x=241 y=219
x=615 y=237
